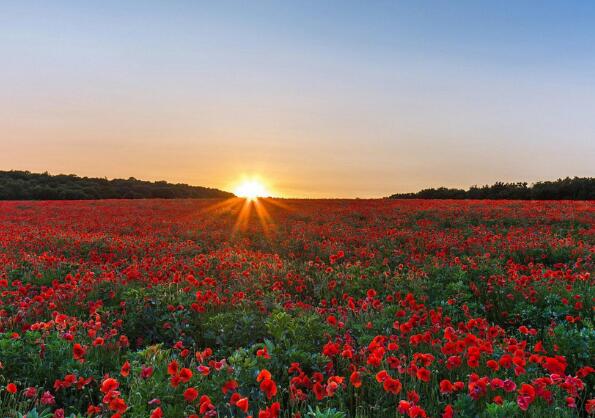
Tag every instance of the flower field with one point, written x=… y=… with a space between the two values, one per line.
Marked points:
x=297 y=308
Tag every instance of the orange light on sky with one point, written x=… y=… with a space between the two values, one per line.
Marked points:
x=251 y=189
x=321 y=99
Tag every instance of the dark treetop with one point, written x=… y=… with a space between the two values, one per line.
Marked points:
x=577 y=188
x=23 y=185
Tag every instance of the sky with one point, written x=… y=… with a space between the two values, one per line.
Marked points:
x=314 y=98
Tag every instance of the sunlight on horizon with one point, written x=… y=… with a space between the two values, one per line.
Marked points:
x=251 y=189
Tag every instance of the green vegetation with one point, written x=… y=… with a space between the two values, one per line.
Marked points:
x=577 y=188
x=23 y=185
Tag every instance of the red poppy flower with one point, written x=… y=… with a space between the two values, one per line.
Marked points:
x=493 y=364
x=109 y=384
x=448 y=412
x=47 y=398
x=172 y=368
x=423 y=374
x=242 y=403
x=268 y=387
x=30 y=392
x=263 y=353
x=391 y=385
x=78 y=352
x=555 y=365
x=381 y=376
x=319 y=391
x=204 y=370
x=125 y=370
x=264 y=374
x=446 y=386
x=185 y=374
x=146 y=372
x=403 y=406
x=118 y=404
x=355 y=379
x=229 y=386
x=205 y=404
x=190 y=394
x=157 y=413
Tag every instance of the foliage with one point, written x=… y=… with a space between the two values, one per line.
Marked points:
x=23 y=185
x=340 y=309
x=577 y=188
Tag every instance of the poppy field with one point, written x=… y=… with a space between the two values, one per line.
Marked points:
x=297 y=308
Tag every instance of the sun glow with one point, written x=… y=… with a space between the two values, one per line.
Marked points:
x=251 y=189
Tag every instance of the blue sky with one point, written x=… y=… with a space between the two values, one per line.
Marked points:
x=317 y=98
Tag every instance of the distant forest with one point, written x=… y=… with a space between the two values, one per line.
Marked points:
x=577 y=188
x=23 y=185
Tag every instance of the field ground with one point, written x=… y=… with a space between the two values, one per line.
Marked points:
x=311 y=308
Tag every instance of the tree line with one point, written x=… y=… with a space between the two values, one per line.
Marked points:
x=577 y=188
x=24 y=185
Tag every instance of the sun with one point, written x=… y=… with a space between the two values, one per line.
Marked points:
x=251 y=189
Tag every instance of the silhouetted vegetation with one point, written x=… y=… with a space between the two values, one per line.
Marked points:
x=23 y=185
x=577 y=188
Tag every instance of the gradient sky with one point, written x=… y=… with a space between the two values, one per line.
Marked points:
x=318 y=98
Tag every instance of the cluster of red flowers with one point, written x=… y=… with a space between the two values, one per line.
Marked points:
x=274 y=308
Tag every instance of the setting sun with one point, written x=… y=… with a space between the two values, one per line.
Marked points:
x=251 y=189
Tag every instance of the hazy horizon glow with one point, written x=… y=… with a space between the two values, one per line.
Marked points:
x=318 y=99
